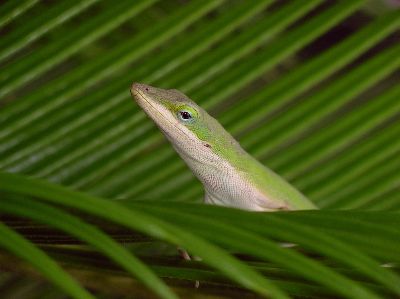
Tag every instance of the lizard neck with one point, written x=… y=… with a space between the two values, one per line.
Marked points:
x=232 y=177
x=227 y=182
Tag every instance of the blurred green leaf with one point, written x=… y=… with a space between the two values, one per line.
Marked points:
x=38 y=259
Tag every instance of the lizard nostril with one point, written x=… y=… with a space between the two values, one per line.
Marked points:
x=147 y=89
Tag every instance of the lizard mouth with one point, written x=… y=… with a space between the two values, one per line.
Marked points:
x=136 y=94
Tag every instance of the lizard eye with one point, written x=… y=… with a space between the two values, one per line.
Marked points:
x=185 y=115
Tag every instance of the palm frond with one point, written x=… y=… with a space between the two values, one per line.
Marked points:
x=308 y=87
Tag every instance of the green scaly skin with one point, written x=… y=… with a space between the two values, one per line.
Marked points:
x=230 y=176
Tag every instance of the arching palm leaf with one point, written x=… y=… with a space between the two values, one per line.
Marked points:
x=308 y=87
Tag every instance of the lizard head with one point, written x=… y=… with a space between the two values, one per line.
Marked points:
x=166 y=105
x=190 y=129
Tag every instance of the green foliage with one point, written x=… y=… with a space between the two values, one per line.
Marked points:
x=308 y=87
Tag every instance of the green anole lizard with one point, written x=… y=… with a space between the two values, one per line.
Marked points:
x=230 y=176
